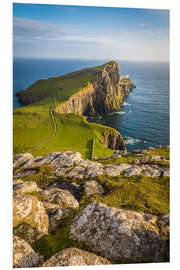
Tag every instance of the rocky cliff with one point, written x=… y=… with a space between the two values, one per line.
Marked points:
x=105 y=93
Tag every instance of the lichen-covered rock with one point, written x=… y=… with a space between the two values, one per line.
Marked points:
x=163 y=224
x=67 y=159
x=75 y=257
x=92 y=169
x=74 y=188
x=116 y=170
x=25 y=187
x=61 y=197
x=21 y=173
x=92 y=187
x=40 y=161
x=151 y=172
x=121 y=235
x=23 y=255
x=27 y=232
x=29 y=209
x=136 y=170
x=19 y=159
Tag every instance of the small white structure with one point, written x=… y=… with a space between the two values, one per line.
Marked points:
x=124 y=77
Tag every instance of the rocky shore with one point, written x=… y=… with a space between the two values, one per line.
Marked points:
x=60 y=218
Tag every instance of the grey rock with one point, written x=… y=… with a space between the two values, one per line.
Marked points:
x=163 y=223
x=23 y=255
x=116 y=170
x=27 y=232
x=56 y=216
x=122 y=235
x=136 y=170
x=92 y=187
x=19 y=159
x=74 y=257
x=20 y=173
x=75 y=189
x=28 y=209
x=25 y=187
x=66 y=159
x=61 y=197
x=156 y=158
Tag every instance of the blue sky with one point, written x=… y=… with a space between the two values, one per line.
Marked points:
x=55 y=31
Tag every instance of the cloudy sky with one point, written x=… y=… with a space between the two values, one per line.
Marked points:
x=51 y=31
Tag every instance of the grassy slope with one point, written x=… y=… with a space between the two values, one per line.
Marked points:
x=32 y=123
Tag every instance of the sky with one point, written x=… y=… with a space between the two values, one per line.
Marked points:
x=75 y=32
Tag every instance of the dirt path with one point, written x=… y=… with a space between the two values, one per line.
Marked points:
x=50 y=137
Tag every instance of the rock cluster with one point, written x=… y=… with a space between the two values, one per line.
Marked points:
x=71 y=165
x=118 y=235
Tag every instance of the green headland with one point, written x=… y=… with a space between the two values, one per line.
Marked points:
x=68 y=99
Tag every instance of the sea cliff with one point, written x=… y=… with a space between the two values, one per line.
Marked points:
x=103 y=93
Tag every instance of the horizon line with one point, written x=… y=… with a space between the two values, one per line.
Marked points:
x=93 y=59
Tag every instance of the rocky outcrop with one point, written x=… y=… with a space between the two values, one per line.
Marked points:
x=104 y=93
x=121 y=235
x=23 y=255
x=113 y=140
x=71 y=165
x=75 y=257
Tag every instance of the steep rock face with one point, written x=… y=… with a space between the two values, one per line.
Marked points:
x=113 y=140
x=104 y=94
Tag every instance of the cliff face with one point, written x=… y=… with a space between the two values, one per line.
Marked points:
x=113 y=140
x=104 y=94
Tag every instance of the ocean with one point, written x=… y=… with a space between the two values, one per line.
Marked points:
x=144 y=119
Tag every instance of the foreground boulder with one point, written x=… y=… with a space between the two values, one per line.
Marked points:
x=23 y=255
x=29 y=216
x=121 y=235
x=74 y=257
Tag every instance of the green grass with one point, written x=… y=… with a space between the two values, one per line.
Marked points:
x=164 y=152
x=73 y=133
x=138 y=193
x=100 y=151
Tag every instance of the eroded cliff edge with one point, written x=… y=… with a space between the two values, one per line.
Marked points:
x=104 y=94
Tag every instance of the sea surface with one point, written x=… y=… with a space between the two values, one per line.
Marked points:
x=144 y=118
